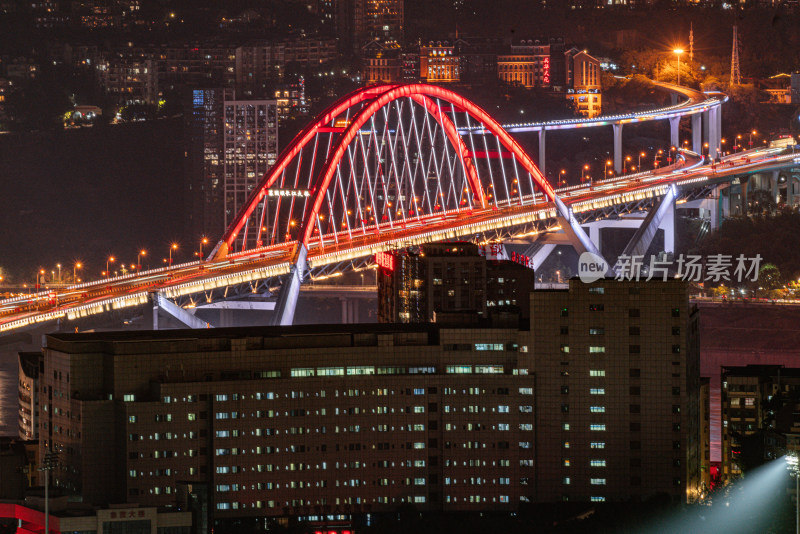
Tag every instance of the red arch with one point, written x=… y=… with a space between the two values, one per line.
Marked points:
x=287 y=156
x=393 y=93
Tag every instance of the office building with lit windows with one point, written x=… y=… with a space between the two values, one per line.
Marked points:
x=593 y=400
x=231 y=143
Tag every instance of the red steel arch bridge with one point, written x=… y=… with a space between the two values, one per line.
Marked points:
x=384 y=167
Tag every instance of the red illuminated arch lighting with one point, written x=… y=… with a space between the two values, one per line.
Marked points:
x=379 y=96
x=421 y=91
x=287 y=156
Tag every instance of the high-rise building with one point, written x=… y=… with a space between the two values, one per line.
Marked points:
x=28 y=399
x=617 y=381
x=584 y=82
x=758 y=400
x=416 y=284
x=231 y=144
x=594 y=399
x=378 y=19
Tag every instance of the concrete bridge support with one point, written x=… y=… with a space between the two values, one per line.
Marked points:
x=287 y=300
x=350 y=312
x=675 y=131
x=617 y=148
x=697 y=133
x=542 y=157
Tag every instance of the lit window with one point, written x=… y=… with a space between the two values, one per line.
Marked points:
x=597 y=427
x=598 y=482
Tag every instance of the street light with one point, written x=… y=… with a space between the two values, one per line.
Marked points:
x=639 y=163
x=203 y=241
x=111 y=259
x=75 y=267
x=605 y=168
x=49 y=463
x=172 y=247
x=563 y=180
x=583 y=172
x=625 y=165
x=738 y=141
x=751 y=137
x=678 y=52
x=59 y=272
x=141 y=253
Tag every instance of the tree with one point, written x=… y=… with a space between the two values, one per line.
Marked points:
x=769 y=277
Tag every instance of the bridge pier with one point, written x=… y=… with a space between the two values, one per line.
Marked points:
x=542 y=151
x=674 y=131
x=697 y=133
x=790 y=191
x=714 y=126
x=350 y=311
x=617 y=148
x=287 y=301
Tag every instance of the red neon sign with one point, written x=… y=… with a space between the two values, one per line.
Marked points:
x=546 y=69
x=385 y=260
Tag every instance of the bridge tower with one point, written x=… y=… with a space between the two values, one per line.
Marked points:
x=736 y=76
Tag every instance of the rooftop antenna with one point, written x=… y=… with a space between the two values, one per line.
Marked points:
x=691 y=44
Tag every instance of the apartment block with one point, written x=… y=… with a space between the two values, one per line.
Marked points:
x=595 y=399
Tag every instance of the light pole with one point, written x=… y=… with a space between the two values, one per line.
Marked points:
x=751 y=137
x=605 y=168
x=75 y=267
x=563 y=180
x=141 y=253
x=110 y=260
x=203 y=241
x=59 y=272
x=678 y=52
x=625 y=165
x=48 y=464
x=639 y=163
x=583 y=172
x=172 y=247
x=738 y=141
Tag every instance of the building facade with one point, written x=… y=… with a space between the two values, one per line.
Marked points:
x=439 y=63
x=421 y=282
x=28 y=399
x=584 y=83
x=132 y=80
x=757 y=400
x=364 y=419
x=528 y=65
x=231 y=143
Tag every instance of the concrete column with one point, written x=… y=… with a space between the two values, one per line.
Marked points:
x=706 y=122
x=713 y=132
x=542 y=151
x=594 y=235
x=774 y=183
x=674 y=131
x=668 y=225
x=617 y=148
x=719 y=128
x=344 y=310
x=716 y=206
x=743 y=181
x=354 y=311
x=697 y=133
x=789 y=190
x=155 y=313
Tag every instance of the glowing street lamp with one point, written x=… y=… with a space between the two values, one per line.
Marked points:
x=625 y=165
x=110 y=260
x=583 y=172
x=141 y=253
x=751 y=137
x=738 y=141
x=203 y=241
x=563 y=179
x=605 y=168
x=172 y=247
x=678 y=52
x=639 y=163
x=59 y=272
x=75 y=267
